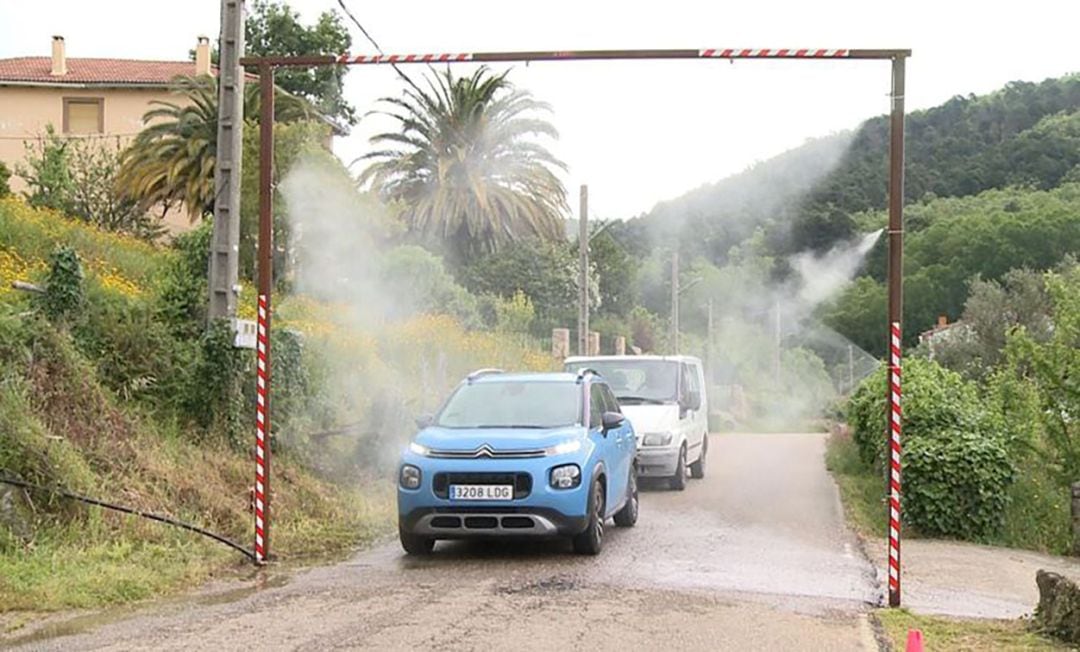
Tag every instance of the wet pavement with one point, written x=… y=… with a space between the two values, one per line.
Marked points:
x=756 y=556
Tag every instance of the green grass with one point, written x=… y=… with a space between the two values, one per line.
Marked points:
x=62 y=574
x=961 y=635
x=1037 y=516
x=861 y=491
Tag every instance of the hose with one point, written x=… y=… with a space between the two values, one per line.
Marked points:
x=5 y=479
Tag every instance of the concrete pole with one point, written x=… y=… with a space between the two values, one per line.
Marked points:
x=583 y=272
x=777 y=336
x=675 y=300
x=225 y=244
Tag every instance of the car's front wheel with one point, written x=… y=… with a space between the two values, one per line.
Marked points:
x=678 y=481
x=697 y=469
x=591 y=540
x=414 y=544
x=627 y=516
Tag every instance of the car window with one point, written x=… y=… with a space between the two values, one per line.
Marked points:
x=695 y=379
x=512 y=404
x=610 y=403
x=596 y=405
x=684 y=381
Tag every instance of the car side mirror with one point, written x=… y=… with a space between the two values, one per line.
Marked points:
x=693 y=400
x=424 y=421
x=611 y=420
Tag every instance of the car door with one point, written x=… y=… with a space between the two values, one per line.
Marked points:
x=701 y=417
x=608 y=444
x=694 y=437
x=624 y=434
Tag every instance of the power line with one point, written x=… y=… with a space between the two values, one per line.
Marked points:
x=378 y=49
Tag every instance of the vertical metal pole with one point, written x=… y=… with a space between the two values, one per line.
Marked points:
x=266 y=282
x=583 y=273
x=675 y=300
x=896 y=318
x=225 y=246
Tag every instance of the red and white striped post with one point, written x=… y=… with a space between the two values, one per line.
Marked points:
x=262 y=451
x=266 y=275
x=895 y=417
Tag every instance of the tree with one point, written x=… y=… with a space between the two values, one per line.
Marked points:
x=78 y=178
x=466 y=165
x=274 y=29
x=47 y=172
x=171 y=161
x=616 y=272
x=5 y=175
x=545 y=272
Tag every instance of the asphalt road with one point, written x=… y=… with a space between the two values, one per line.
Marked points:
x=756 y=556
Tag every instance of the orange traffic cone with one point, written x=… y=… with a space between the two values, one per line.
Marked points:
x=914 y=640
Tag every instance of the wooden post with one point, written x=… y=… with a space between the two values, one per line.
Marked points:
x=620 y=345
x=594 y=343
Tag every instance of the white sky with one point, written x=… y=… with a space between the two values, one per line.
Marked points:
x=638 y=132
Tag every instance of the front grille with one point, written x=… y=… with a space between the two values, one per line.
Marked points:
x=487 y=451
x=522 y=482
x=446 y=522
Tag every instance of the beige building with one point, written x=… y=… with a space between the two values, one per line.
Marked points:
x=84 y=98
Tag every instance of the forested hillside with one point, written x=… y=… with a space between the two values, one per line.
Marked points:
x=989 y=187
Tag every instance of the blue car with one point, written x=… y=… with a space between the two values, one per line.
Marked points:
x=520 y=455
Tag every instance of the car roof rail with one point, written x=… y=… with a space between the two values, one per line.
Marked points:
x=483 y=372
x=584 y=371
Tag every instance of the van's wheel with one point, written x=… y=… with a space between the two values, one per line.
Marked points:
x=627 y=516
x=414 y=544
x=697 y=469
x=678 y=481
x=591 y=541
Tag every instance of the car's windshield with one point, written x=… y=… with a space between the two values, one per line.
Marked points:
x=512 y=404
x=636 y=381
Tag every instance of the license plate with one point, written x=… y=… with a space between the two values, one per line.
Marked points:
x=481 y=492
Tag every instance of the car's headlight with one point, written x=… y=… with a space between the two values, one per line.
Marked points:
x=656 y=439
x=566 y=476
x=410 y=477
x=419 y=449
x=571 y=446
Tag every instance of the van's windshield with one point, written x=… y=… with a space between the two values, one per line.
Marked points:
x=636 y=381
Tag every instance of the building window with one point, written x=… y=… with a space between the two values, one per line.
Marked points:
x=84 y=115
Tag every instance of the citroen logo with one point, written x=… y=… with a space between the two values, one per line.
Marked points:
x=485 y=451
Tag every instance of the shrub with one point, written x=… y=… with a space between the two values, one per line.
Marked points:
x=935 y=400
x=957 y=464
x=956 y=484
x=64 y=290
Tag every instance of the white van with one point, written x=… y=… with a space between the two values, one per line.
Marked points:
x=664 y=398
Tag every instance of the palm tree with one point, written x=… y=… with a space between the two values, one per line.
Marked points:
x=466 y=166
x=171 y=161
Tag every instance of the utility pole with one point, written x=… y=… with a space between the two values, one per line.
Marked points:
x=709 y=337
x=583 y=272
x=851 y=368
x=225 y=245
x=675 y=300
x=896 y=317
x=777 y=337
